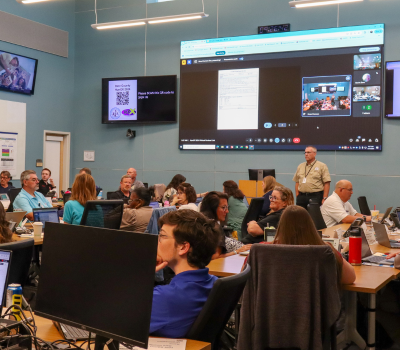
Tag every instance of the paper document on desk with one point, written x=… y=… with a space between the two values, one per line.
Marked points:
x=369 y=234
x=164 y=343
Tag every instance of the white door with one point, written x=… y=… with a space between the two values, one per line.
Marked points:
x=52 y=159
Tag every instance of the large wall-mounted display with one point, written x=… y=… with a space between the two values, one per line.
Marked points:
x=17 y=73
x=139 y=100
x=392 y=92
x=284 y=91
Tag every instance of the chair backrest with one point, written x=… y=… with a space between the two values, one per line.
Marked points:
x=22 y=252
x=315 y=213
x=12 y=194
x=253 y=212
x=218 y=308
x=103 y=213
x=109 y=195
x=363 y=204
x=159 y=190
x=146 y=184
x=66 y=197
x=289 y=302
x=152 y=227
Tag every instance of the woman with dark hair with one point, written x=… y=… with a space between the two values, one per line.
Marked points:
x=237 y=209
x=5 y=232
x=215 y=206
x=137 y=215
x=186 y=197
x=297 y=228
x=172 y=188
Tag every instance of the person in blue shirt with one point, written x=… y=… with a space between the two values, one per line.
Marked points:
x=186 y=243
x=5 y=184
x=29 y=198
x=83 y=190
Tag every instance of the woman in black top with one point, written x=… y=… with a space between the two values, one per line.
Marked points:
x=280 y=198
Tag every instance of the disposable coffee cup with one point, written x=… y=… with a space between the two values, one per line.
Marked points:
x=374 y=213
x=37 y=229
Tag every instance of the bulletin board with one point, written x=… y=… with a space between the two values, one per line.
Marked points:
x=12 y=137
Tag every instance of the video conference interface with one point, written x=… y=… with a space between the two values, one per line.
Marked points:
x=284 y=91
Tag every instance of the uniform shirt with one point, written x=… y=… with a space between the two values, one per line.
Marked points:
x=334 y=210
x=26 y=202
x=317 y=174
x=73 y=211
x=177 y=305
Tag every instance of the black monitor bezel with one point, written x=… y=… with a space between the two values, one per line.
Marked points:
x=384 y=86
x=4 y=296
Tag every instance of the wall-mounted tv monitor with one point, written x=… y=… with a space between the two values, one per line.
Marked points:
x=283 y=91
x=139 y=100
x=17 y=73
x=392 y=91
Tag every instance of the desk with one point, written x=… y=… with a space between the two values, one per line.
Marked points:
x=225 y=267
x=47 y=331
x=38 y=240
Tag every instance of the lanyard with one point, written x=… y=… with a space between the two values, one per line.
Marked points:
x=305 y=168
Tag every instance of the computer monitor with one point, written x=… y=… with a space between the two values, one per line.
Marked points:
x=97 y=279
x=259 y=174
x=5 y=263
x=45 y=215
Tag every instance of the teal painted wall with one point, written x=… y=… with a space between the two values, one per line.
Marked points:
x=51 y=107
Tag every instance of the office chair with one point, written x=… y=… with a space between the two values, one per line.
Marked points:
x=103 y=213
x=146 y=184
x=218 y=308
x=253 y=213
x=109 y=195
x=66 y=197
x=12 y=194
x=363 y=204
x=22 y=252
x=316 y=216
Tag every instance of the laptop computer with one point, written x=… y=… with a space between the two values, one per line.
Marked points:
x=5 y=263
x=367 y=256
x=16 y=216
x=45 y=214
x=5 y=200
x=387 y=213
x=383 y=238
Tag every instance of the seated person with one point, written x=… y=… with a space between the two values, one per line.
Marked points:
x=135 y=182
x=172 y=188
x=186 y=242
x=268 y=185
x=89 y=172
x=186 y=197
x=83 y=190
x=297 y=228
x=137 y=215
x=124 y=189
x=337 y=209
x=5 y=232
x=237 y=209
x=29 y=198
x=281 y=197
x=215 y=207
x=46 y=184
x=5 y=183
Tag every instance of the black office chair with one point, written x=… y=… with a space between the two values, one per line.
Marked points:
x=103 y=213
x=21 y=258
x=363 y=204
x=66 y=197
x=109 y=195
x=218 y=308
x=316 y=216
x=253 y=213
x=146 y=184
x=12 y=194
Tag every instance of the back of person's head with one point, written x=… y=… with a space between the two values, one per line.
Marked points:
x=286 y=194
x=194 y=228
x=210 y=204
x=86 y=171
x=232 y=189
x=25 y=175
x=176 y=181
x=5 y=232
x=189 y=191
x=269 y=183
x=83 y=188
x=297 y=228
x=144 y=194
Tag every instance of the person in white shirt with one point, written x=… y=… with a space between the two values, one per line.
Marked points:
x=337 y=209
x=186 y=197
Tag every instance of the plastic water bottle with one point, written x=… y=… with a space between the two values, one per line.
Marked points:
x=100 y=196
x=166 y=204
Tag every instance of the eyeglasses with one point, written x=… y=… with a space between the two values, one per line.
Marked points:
x=274 y=199
x=4 y=177
x=180 y=192
x=224 y=208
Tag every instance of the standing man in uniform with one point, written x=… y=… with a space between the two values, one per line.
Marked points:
x=312 y=180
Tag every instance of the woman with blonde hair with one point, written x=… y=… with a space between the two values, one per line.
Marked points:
x=268 y=184
x=280 y=198
x=83 y=190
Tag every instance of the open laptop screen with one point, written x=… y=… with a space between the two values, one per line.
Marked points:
x=5 y=261
x=45 y=214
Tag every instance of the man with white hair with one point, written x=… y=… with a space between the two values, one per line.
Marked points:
x=312 y=179
x=135 y=183
x=337 y=209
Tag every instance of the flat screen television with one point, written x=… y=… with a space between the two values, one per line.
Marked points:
x=392 y=91
x=17 y=73
x=283 y=91
x=139 y=100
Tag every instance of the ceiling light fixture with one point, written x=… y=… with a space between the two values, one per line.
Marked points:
x=154 y=20
x=309 y=3
x=30 y=1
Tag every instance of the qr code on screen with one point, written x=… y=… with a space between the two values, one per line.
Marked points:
x=123 y=98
